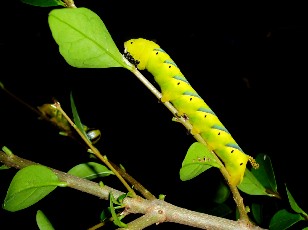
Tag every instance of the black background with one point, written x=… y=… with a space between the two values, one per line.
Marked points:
x=247 y=61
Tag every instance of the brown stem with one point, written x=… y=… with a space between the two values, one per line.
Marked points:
x=161 y=210
x=146 y=193
x=70 y=4
x=137 y=186
x=95 y=151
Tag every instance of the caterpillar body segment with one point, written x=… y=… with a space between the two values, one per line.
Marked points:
x=176 y=89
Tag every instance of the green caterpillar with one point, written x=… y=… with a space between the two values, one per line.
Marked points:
x=176 y=89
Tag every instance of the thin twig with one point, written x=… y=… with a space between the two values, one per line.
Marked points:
x=95 y=151
x=70 y=4
x=162 y=210
x=135 y=184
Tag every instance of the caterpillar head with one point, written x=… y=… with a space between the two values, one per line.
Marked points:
x=138 y=51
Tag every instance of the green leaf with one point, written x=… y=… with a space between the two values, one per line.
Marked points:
x=265 y=173
x=121 y=198
x=3 y=167
x=83 y=39
x=294 y=205
x=77 y=120
x=283 y=220
x=90 y=170
x=197 y=160
x=43 y=222
x=30 y=185
x=222 y=194
x=251 y=185
x=104 y=215
x=116 y=219
x=256 y=210
x=44 y=3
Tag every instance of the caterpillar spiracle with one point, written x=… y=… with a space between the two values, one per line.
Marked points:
x=175 y=88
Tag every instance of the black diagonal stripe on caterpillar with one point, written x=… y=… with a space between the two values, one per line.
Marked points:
x=176 y=89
